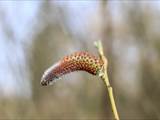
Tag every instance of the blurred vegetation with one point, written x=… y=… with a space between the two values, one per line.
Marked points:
x=130 y=34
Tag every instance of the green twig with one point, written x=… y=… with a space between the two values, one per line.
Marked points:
x=104 y=76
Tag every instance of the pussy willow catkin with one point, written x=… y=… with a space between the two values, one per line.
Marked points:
x=83 y=61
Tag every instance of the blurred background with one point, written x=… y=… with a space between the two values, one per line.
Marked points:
x=36 y=34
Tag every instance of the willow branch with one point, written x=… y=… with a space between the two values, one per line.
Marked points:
x=104 y=76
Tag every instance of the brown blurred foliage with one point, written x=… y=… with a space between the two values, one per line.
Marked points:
x=130 y=35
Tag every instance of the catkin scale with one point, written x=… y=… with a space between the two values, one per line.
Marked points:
x=77 y=61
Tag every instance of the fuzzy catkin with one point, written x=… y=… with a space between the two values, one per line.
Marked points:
x=77 y=61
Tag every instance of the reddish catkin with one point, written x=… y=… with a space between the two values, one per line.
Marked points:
x=83 y=61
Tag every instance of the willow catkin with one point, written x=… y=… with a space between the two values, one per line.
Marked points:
x=77 y=61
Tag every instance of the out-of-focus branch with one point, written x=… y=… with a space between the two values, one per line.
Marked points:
x=104 y=76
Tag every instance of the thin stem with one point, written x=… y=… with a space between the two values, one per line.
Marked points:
x=104 y=76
